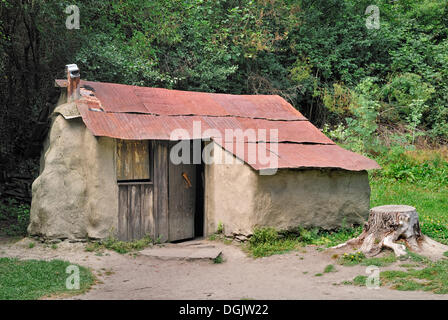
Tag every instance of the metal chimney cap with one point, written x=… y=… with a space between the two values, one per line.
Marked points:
x=73 y=70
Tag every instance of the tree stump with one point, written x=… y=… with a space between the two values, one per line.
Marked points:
x=390 y=223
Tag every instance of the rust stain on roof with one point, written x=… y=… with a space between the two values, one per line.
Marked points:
x=296 y=155
x=146 y=126
x=139 y=113
x=120 y=98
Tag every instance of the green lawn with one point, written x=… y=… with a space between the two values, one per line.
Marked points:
x=33 y=279
x=431 y=204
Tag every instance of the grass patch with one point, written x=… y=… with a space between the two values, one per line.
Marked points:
x=329 y=268
x=121 y=246
x=351 y=259
x=380 y=261
x=355 y=258
x=33 y=279
x=274 y=247
x=219 y=259
x=333 y=238
x=359 y=280
x=417 y=258
x=269 y=241
x=410 y=265
x=433 y=277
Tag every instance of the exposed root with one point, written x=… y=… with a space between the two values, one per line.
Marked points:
x=392 y=223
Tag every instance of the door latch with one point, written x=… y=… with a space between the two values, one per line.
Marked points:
x=187 y=180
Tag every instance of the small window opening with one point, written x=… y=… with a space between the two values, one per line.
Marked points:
x=133 y=161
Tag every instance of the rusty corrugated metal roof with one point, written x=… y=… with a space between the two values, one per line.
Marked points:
x=120 y=98
x=138 y=113
x=146 y=126
x=297 y=155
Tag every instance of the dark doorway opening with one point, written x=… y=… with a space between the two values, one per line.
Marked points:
x=199 y=214
x=186 y=192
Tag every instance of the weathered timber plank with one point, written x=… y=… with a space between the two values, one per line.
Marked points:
x=122 y=213
x=133 y=160
x=160 y=151
x=147 y=218
x=182 y=200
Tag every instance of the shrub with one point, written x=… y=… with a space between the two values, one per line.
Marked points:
x=15 y=216
x=263 y=235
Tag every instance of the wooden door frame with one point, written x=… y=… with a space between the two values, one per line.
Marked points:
x=159 y=151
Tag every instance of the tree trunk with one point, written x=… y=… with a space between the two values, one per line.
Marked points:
x=387 y=225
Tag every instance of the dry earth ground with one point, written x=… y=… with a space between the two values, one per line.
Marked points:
x=286 y=276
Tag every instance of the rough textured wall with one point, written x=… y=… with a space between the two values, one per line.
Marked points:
x=229 y=195
x=75 y=195
x=324 y=198
x=241 y=199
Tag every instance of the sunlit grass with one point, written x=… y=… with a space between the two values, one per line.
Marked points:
x=33 y=279
x=431 y=204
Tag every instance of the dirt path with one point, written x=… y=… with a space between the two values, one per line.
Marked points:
x=287 y=276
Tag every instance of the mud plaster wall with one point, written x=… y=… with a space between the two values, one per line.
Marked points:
x=229 y=194
x=241 y=199
x=75 y=195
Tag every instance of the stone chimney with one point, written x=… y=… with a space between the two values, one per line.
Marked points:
x=73 y=79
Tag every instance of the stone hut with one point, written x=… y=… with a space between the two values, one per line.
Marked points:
x=127 y=161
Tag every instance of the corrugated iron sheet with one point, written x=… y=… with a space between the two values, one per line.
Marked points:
x=145 y=126
x=294 y=155
x=137 y=113
x=158 y=101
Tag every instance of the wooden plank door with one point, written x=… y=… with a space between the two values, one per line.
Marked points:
x=135 y=190
x=135 y=212
x=182 y=200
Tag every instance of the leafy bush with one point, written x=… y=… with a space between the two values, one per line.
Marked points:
x=14 y=217
x=263 y=235
x=398 y=164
